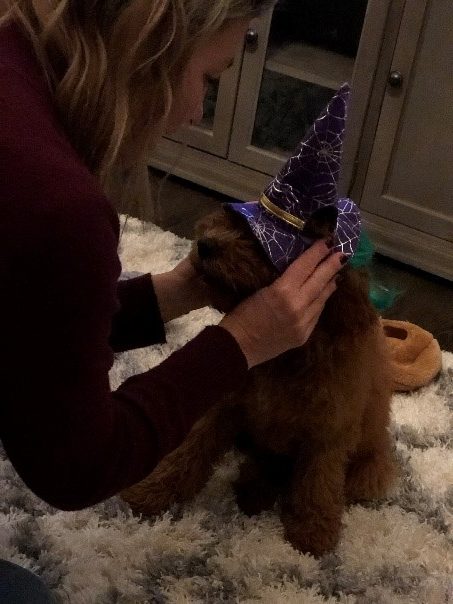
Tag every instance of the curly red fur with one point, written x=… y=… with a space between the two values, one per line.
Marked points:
x=313 y=423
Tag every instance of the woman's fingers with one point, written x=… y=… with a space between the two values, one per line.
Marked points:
x=300 y=294
x=313 y=310
x=304 y=266
x=323 y=275
x=283 y=315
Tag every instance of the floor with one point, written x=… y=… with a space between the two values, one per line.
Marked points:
x=425 y=299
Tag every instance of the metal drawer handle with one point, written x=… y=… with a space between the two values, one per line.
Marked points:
x=251 y=40
x=396 y=79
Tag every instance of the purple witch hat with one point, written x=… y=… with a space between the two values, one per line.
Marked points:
x=307 y=183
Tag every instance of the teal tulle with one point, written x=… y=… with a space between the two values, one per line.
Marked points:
x=364 y=252
x=382 y=297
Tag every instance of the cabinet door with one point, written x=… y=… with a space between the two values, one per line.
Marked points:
x=213 y=134
x=305 y=51
x=410 y=176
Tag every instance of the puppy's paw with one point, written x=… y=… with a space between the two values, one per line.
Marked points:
x=254 y=496
x=148 y=505
x=370 y=478
x=167 y=485
x=313 y=533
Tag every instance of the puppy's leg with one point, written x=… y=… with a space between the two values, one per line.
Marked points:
x=372 y=468
x=255 y=491
x=313 y=506
x=184 y=471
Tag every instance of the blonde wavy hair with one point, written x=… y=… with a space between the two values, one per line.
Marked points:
x=113 y=66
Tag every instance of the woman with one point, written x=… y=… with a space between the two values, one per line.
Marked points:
x=87 y=87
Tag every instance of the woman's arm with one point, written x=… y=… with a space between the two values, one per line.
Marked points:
x=139 y=321
x=149 y=301
x=74 y=441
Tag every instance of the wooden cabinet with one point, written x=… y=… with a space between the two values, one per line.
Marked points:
x=399 y=148
x=409 y=180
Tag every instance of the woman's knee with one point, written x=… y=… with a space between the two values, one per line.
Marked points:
x=20 y=586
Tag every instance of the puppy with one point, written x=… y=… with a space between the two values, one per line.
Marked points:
x=312 y=424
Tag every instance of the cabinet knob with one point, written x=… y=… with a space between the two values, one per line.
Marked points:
x=396 y=79
x=251 y=40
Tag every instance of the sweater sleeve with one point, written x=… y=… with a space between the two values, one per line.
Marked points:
x=138 y=323
x=74 y=441
x=71 y=438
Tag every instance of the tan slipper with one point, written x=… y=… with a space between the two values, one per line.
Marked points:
x=416 y=354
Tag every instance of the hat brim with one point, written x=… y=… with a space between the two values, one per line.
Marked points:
x=283 y=243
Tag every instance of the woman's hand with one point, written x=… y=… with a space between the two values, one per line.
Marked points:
x=182 y=289
x=282 y=316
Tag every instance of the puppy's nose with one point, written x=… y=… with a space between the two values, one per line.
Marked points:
x=207 y=247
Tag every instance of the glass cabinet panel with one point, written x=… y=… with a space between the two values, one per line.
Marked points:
x=311 y=53
x=210 y=103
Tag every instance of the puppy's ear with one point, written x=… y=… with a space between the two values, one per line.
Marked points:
x=202 y=225
x=199 y=228
x=215 y=218
x=322 y=223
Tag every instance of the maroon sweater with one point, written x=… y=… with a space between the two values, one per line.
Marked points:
x=63 y=315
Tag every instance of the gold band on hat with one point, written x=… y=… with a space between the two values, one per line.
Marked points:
x=276 y=211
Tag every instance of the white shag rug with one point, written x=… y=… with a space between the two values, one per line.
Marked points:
x=399 y=551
